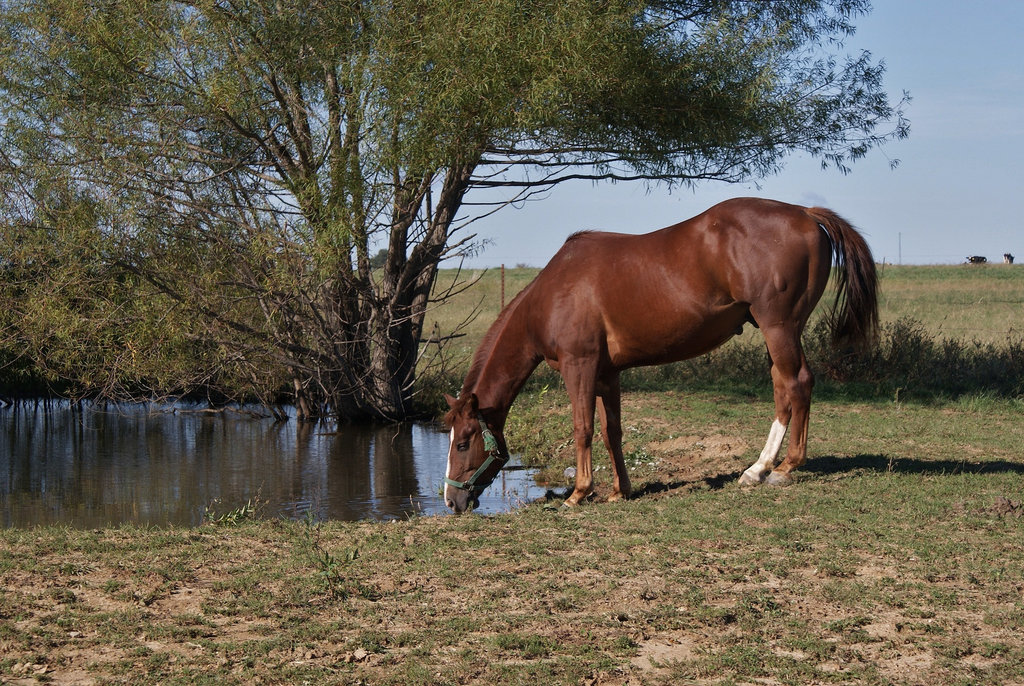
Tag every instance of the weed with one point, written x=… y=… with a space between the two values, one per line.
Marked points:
x=113 y=586
x=246 y=512
x=63 y=595
x=847 y=624
x=73 y=569
x=330 y=568
x=528 y=647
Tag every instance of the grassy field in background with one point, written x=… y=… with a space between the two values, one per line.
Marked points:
x=946 y=331
x=982 y=302
x=978 y=302
x=896 y=558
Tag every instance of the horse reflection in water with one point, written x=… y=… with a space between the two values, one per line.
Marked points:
x=607 y=302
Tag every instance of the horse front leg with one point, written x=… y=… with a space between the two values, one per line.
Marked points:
x=580 y=382
x=609 y=406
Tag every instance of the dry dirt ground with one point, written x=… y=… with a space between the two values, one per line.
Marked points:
x=70 y=617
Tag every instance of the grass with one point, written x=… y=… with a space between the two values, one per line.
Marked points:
x=971 y=302
x=857 y=574
x=885 y=563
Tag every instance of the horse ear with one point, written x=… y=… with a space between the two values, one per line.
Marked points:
x=461 y=403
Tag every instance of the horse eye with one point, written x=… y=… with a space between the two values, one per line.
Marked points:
x=462 y=447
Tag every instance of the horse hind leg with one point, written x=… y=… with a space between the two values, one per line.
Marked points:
x=755 y=474
x=793 y=382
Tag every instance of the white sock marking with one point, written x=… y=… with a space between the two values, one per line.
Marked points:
x=766 y=461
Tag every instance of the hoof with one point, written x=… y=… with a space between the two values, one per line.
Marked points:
x=747 y=480
x=779 y=479
x=617 y=496
x=576 y=498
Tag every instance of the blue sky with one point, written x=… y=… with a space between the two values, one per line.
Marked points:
x=956 y=192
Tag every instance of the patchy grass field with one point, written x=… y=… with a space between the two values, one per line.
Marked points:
x=897 y=557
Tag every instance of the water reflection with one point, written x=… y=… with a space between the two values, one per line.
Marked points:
x=88 y=467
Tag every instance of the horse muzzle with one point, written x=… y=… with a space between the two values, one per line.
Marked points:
x=462 y=496
x=460 y=500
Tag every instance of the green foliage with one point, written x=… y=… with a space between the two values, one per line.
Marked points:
x=378 y=260
x=191 y=189
x=330 y=569
x=232 y=517
x=907 y=362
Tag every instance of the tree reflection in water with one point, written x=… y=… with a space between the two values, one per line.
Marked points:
x=87 y=466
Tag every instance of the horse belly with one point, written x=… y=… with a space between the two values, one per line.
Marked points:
x=646 y=340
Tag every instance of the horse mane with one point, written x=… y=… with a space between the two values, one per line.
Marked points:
x=580 y=234
x=487 y=342
x=449 y=417
x=453 y=413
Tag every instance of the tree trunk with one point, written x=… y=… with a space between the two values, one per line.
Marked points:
x=303 y=407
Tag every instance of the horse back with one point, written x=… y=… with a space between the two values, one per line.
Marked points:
x=680 y=291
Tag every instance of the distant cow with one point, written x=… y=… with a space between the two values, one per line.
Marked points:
x=977 y=259
x=1007 y=258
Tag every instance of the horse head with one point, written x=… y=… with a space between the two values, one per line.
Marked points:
x=476 y=453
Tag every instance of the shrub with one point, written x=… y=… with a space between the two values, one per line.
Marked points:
x=906 y=360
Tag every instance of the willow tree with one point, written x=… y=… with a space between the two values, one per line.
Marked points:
x=193 y=189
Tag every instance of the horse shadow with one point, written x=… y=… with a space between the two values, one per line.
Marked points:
x=839 y=465
x=827 y=465
x=714 y=483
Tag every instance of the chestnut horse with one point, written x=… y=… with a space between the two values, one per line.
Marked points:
x=609 y=301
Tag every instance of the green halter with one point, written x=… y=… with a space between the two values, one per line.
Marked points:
x=474 y=484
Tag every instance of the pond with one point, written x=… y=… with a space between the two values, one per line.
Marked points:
x=89 y=466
